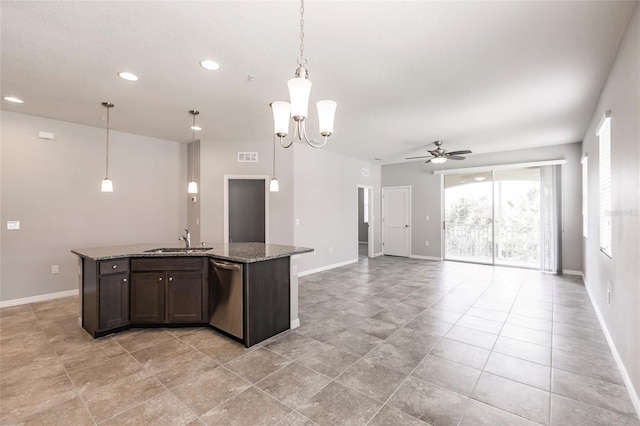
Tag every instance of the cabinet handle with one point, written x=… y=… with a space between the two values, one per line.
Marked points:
x=170 y=279
x=160 y=279
x=114 y=266
x=124 y=280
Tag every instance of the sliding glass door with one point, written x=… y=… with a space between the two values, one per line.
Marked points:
x=468 y=216
x=493 y=217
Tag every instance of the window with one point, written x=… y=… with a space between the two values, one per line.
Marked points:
x=366 y=205
x=604 y=149
x=585 y=195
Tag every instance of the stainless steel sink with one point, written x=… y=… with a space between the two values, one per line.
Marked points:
x=178 y=250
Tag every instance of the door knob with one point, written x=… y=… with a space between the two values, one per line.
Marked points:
x=170 y=279
x=160 y=279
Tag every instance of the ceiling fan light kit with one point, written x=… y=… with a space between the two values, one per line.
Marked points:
x=440 y=155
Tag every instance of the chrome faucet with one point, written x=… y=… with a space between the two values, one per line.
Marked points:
x=186 y=238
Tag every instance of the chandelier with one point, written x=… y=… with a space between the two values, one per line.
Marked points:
x=297 y=109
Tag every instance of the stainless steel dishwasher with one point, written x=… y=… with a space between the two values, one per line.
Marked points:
x=225 y=297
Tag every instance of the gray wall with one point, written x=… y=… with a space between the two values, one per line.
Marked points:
x=53 y=189
x=218 y=159
x=621 y=273
x=426 y=196
x=326 y=205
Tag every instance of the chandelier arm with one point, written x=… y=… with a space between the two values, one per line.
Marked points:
x=285 y=145
x=312 y=142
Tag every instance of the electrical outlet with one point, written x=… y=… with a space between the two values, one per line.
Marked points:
x=608 y=296
x=427 y=217
x=13 y=225
x=330 y=249
x=426 y=243
x=55 y=269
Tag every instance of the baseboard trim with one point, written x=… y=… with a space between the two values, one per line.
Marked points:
x=570 y=272
x=377 y=254
x=40 y=298
x=327 y=267
x=417 y=256
x=295 y=323
x=633 y=394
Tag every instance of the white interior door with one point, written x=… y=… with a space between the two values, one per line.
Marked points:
x=396 y=221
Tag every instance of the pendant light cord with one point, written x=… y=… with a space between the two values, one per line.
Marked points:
x=274 y=156
x=107 y=105
x=193 y=147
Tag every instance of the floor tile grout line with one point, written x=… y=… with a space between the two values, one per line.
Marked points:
x=75 y=388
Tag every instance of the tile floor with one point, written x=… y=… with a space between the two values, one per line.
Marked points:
x=386 y=341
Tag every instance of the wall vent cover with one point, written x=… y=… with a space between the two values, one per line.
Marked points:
x=247 y=157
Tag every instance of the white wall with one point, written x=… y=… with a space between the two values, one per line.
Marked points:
x=326 y=205
x=53 y=189
x=621 y=273
x=426 y=196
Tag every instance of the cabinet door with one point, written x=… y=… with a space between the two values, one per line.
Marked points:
x=114 y=301
x=147 y=297
x=185 y=293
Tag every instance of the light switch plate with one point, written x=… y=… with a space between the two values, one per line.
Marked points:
x=13 y=225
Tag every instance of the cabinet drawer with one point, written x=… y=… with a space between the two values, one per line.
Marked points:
x=114 y=266
x=167 y=264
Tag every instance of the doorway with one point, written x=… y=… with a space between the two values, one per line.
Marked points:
x=493 y=217
x=246 y=202
x=396 y=221
x=365 y=222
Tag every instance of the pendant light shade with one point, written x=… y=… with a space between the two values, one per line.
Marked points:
x=274 y=186
x=107 y=185
x=281 y=114
x=192 y=187
x=299 y=90
x=326 y=114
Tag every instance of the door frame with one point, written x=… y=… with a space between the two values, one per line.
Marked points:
x=225 y=190
x=408 y=210
x=370 y=233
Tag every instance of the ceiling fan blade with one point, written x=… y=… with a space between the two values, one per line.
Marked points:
x=466 y=151
x=455 y=157
x=428 y=161
x=413 y=158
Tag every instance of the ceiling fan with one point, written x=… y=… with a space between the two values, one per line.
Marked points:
x=440 y=155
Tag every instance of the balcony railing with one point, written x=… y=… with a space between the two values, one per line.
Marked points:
x=513 y=243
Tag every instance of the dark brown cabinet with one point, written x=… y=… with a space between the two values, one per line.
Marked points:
x=105 y=301
x=147 y=297
x=168 y=290
x=162 y=291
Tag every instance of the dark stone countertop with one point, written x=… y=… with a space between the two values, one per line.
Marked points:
x=235 y=252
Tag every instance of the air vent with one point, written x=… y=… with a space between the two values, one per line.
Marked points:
x=247 y=157
x=365 y=172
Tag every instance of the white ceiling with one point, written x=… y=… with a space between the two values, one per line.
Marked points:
x=484 y=76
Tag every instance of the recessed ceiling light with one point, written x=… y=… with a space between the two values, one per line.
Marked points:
x=196 y=128
x=210 y=65
x=128 y=76
x=13 y=99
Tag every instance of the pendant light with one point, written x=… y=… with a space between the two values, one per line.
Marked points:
x=274 y=186
x=297 y=109
x=192 y=188
x=107 y=185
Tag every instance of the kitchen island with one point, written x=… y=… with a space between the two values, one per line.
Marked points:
x=245 y=290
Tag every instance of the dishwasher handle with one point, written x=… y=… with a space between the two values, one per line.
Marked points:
x=224 y=265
